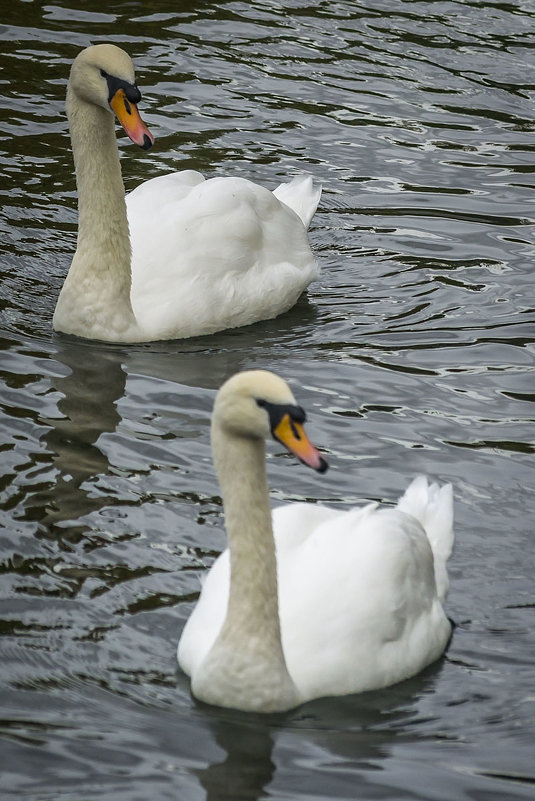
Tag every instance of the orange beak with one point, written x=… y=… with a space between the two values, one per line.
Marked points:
x=128 y=116
x=292 y=435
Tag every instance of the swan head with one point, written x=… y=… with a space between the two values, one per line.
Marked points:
x=104 y=75
x=258 y=404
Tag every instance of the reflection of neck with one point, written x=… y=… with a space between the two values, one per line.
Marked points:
x=72 y=439
x=242 y=744
x=97 y=289
x=246 y=667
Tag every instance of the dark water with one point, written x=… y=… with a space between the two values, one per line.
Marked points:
x=414 y=353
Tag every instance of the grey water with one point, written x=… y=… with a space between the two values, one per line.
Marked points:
x=414 y=353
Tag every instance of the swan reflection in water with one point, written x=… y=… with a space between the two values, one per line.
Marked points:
x=93 y=384
x=341 y=736
x=91 y=381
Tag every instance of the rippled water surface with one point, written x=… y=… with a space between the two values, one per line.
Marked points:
x=413 y=353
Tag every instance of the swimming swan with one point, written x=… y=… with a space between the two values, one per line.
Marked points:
x=334 y=602
x=206 y=254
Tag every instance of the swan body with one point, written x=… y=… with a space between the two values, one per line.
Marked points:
x=182 y=256
x=218 y=253
x=311 y=601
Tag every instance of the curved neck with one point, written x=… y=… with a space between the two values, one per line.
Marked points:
x=98 y=175
x=96 y=293
x=246 y=667
x=253 y=598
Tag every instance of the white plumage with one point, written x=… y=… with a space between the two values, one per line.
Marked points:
x=206 y=254
x=218 y=253
x=360 y=592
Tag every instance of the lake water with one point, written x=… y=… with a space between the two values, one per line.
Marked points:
x=413 y=354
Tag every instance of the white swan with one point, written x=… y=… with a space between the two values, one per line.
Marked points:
x=206 y=254
x=359 y=592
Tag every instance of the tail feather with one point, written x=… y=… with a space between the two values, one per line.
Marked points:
x=432 y=506
x=301 y=195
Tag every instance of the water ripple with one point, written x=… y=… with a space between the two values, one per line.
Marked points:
x=412 y=354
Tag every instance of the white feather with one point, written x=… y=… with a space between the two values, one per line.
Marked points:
x=360 y=592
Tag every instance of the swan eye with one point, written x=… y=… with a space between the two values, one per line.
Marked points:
x=298 y=414
x=295 y=415
x=114 y=84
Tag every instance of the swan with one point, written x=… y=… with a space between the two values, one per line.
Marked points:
x=310 y=601
x=184 y=256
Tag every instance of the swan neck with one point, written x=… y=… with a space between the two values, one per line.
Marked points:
x=101 y=204
x=253 y=599
x=245 y=667
x=95 y=299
